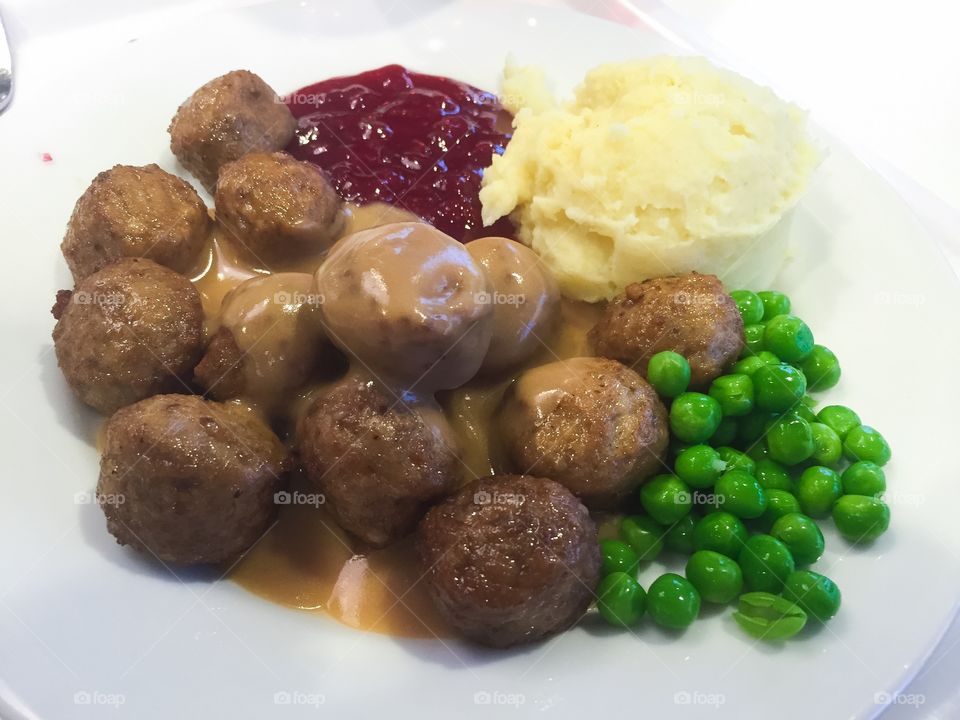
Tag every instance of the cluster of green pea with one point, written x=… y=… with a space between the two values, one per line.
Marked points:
x=754 y=465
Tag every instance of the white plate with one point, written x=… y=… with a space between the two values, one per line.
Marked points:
x=87 y=627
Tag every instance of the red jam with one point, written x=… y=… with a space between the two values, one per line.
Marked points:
x=419 y=142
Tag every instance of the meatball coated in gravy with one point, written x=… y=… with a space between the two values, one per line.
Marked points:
x=510 y=559
x=188 y=480
x=378 y=461
x=265 y=347
x=131 y=330
x=689 y=314
x=409 y=303
x=525 y=300
x=135 y=212
x=230 y=116
x=591 y=424
x=276 y=207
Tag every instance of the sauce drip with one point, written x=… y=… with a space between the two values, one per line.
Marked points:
x=419 y=142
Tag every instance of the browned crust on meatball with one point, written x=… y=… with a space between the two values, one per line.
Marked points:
x=378 y=462
x=689 y=314
x=227 y=118
x=510 y=559
x=591 y=424
x=130 y=330
x=187 y=480
x=135 y=212
x=220 y=371
x=60 y=304
x=277 y=207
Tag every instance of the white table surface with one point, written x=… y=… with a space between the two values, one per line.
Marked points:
x=883 y=76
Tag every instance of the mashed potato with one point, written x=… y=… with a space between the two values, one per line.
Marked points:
x=656 y=166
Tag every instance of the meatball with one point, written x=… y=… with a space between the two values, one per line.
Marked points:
x=265 y=347
x=525 y=299
x=135 y=212
x=408 y=302
x=378 y=462
x=129 y=331
x=690 y=314
x=591 y=424
x=189 y=480
x=510 y=559
x=230 y=116
x=277 y=208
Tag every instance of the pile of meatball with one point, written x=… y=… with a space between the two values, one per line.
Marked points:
x=198 y=441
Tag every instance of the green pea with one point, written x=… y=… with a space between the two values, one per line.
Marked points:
x=821 y=368
x=666 y=498
x=735 y=460
x=721 y=532
x=772 y=476
x=679 y=537
x=865 y=443
x=765 y=562
x=864 y=478
x=617 y=556
x=749 y=304
x=840 y=418
x=817 y=490
x=758 y=451
x=740 y=494
x=753 y=339
x=734 y=393
x=620 y=599
x=801 y=535
x=790 y=440
x=725 y=433
x=669 y=373
x=788 y=337
x=817 y=594
x=694 y=417
x=768 y=357
x=753 y=426
x=673 y=602
x=678 y=446
x=827 y=447
x=804 y=411
x=774 y=303
x=716 y=577
x=769 y=617
x=699 y=466
x=779 y=503
x=747 y=365
x=861 y=518
x=777 y=388
x=643 y=535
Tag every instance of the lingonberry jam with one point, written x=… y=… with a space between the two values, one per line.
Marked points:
x=419 y=142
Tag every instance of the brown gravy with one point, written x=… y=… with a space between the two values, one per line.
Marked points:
x=306 y=561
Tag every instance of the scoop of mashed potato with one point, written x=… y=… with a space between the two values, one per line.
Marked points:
x=656 y=166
